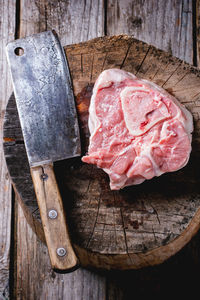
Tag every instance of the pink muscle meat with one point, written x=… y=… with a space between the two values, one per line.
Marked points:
x=137 y=129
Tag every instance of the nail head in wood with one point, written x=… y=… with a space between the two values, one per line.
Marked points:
x=61 y=251
x=52 y=214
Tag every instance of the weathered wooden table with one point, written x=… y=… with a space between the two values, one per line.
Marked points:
x=169 y=25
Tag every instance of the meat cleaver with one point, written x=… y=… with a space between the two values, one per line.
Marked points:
x=47 y=112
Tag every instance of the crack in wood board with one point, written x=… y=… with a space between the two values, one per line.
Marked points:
x=126 y=54
x=187 y=73
x=97 y=214
x=143 y=59
x=156 y=213
x=91 y=69
x=172 y=74
x=104 y=61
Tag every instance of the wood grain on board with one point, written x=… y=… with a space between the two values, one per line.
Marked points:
x=7 y=32
x=140 y=225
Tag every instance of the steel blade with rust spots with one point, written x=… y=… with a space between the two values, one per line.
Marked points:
x=45 y=102
x=44 y=97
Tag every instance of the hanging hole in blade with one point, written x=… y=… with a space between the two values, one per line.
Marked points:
x=19 y=51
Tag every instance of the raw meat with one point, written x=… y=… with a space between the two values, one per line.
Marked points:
x=138 y=130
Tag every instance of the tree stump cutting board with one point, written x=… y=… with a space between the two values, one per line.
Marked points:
x=140 y=225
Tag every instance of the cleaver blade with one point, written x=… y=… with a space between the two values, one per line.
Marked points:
x=47 y=112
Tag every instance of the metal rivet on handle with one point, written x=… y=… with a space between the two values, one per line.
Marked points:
x=52 y=214
x=61 y=251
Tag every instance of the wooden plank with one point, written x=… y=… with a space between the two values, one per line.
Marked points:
x=197 y=31
x=164 y=24
x=131 y=281
x=74 y=21
x=168 y=26
x=36 y=280
x=7 y=32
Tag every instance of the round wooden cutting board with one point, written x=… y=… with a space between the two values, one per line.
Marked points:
x=140 y=225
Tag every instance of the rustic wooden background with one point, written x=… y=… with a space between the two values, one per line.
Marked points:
x=25 y=271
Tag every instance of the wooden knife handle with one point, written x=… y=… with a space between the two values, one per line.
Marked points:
x=61 y=253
